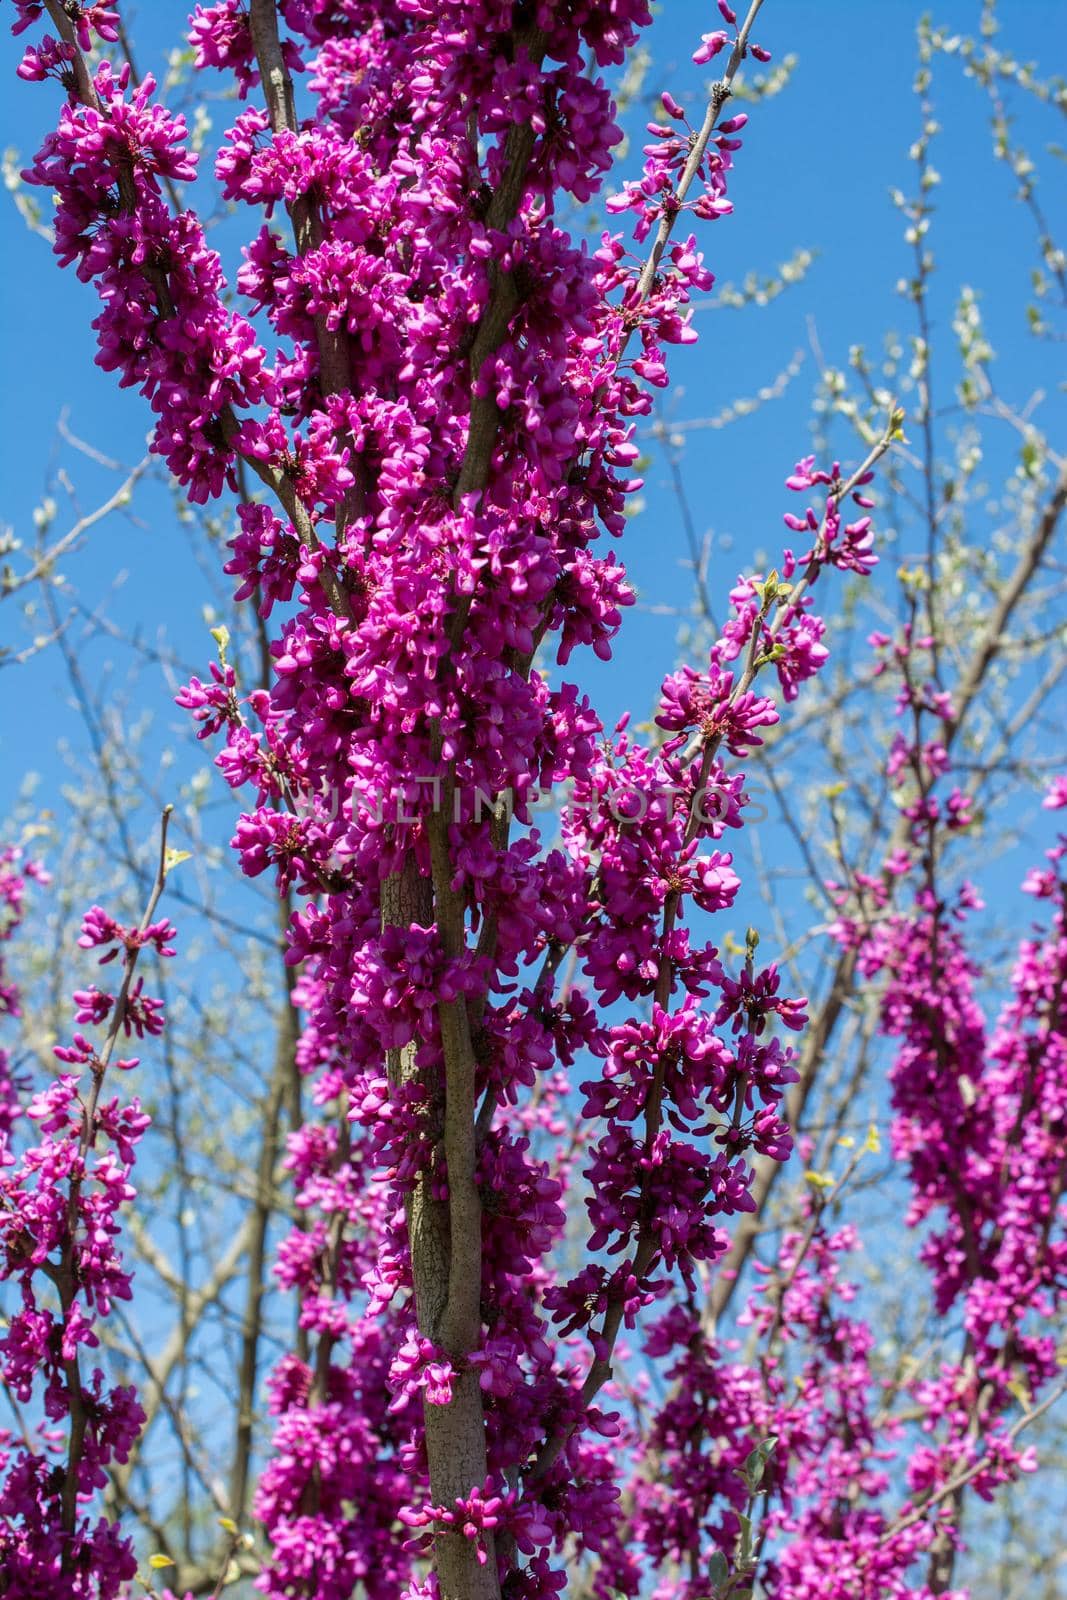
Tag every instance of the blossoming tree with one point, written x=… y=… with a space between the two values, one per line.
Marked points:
x=542 y=1090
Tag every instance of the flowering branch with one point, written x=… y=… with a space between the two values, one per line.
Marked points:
x=720 y=93
x=57 y=1219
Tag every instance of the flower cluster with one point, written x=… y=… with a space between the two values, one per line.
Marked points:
x=60 y=1198
x=980 y=1120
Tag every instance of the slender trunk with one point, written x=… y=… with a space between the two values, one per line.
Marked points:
x=248 y=1372
x=455 y=1434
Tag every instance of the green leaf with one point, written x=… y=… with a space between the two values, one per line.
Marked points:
x=718 y=1569
x=756 y=1464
